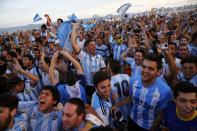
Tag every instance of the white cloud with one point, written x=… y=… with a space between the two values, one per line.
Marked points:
x=21 y=12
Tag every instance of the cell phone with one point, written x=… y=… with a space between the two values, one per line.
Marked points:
x=164 y=46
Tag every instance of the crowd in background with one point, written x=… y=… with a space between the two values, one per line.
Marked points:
x=134 y=73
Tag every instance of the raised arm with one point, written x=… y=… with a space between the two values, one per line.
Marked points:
x=52 y=78
x=31 y=76
x=172 y=66
x=131 y=45
x=74 y=37
x=74 y=61
x=48 y=20
x=43 y=61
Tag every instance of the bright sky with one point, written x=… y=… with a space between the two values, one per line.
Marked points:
x=21 y=12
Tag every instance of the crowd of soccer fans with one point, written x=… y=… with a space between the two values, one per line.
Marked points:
x=136 y=73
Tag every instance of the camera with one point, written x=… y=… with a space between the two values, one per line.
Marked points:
x=164 y=46
x=117 y=115
x=118 y=119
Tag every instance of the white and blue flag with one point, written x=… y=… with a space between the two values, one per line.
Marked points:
x=123 y=9
x=88 y=27
x=63 y=34
x=37 y=18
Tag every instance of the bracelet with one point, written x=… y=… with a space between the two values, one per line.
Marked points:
x=89 y=125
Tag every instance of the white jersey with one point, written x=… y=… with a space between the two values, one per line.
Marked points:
x=120 y=85
x=148 y=101
x=102 y=108
x=39 y=121
x=45 y=78
x=90 y=64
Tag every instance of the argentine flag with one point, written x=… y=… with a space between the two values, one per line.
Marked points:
x=63 y=34
x=37 y=18
x=88 y=27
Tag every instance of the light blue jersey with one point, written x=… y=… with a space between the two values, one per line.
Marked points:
x=41 y=121
x=103 y=51
x=120 y=85
x=192 y=49
x=20 y=123
x=35 y=71
x=102 y=107
x=29 y=94
x=192 y=80
x=68 y=92
x=148 y=101
x=118 y=50
x=136 y=70
x=90 y=64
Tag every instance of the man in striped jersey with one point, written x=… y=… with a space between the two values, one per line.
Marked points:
x=100 y=99
x=136 y=62
x=102 y=49
x=189 y=71
x=10 y=119
x=42 y=114
x=118 y=48
x=16 y=87
x=29 y=76
x=90 y=61
x=149 y=95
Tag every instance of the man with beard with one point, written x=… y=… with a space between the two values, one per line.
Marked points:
x=148 y=95
x=10 y=120
x=42 y=114
x=100 y=99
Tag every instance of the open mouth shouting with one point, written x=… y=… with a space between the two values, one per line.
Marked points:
x=42 y=101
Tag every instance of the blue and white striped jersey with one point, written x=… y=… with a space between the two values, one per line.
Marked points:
x=120 y=85
x=136 y=70
x=148 y=101
x=192 y=49
x=20 y=123
x=103 y=51
x=41 y=121
x=27 y=80
x=118 y=50
x=192 y=80
x=102 y=107
x=45 y=78
x=90 y=65
x=29 y=94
